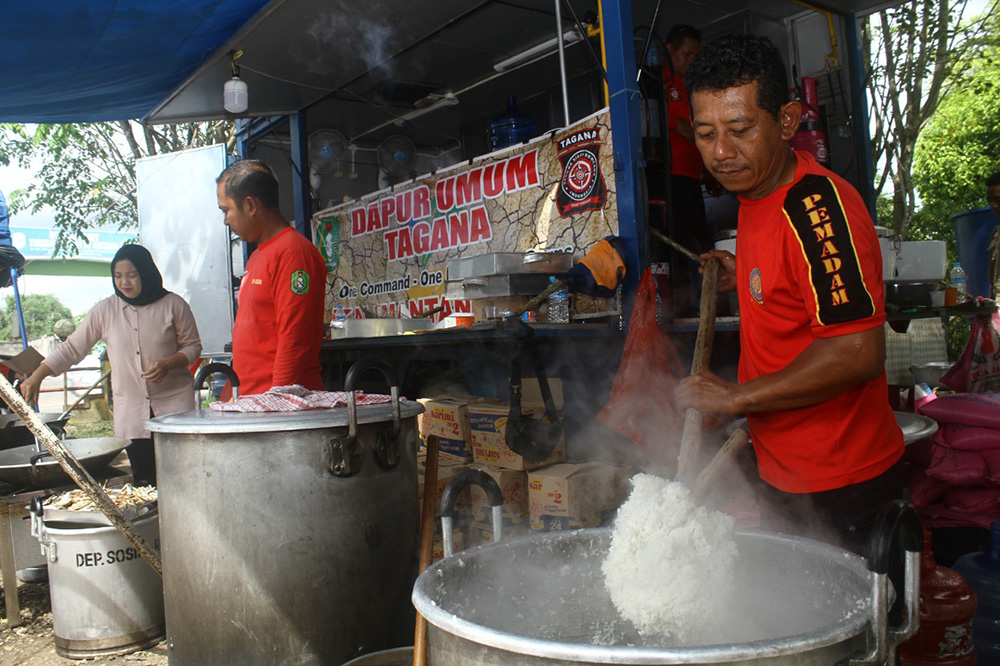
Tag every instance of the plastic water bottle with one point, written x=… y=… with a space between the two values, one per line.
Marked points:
x=339 y=313
x=558 y=302
x=959 y=282
x=982 y=570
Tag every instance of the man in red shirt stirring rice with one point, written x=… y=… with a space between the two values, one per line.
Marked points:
x=808 y=274
x=279 y=317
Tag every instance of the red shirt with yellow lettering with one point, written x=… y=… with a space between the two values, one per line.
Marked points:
x=279 y=319
x=808 y=266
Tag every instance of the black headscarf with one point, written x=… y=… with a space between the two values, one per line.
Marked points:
x=149 y=275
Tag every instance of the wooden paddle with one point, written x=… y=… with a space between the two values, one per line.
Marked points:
x=427 y=515
x=687 y=461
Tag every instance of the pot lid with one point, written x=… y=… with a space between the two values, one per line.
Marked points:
x=209 y=421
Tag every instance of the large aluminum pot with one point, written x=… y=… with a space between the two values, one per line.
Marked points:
x=287 y=538
x=540 y=601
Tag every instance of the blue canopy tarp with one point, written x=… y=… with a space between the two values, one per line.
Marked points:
x=65 y=61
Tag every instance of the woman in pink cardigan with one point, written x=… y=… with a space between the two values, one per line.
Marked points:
x=151 y=338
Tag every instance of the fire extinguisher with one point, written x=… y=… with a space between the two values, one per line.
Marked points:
x=810 y=136
x=947 y=606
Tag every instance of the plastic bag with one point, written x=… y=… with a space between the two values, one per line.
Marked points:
x=978 y=369
x=641 y=407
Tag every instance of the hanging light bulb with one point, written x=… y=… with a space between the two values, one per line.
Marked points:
x=235 y=95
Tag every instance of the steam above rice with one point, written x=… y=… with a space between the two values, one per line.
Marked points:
x=670 y=561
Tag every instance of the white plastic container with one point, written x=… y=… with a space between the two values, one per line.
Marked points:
x=922 y=261
x=106 y=600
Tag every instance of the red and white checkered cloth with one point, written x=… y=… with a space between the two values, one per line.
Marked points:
x=295 y=398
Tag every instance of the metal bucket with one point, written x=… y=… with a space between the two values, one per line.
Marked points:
x=541 y=601
x=286 y=538
x=106 y=600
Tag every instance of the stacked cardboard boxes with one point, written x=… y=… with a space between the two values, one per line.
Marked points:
x=538 y=495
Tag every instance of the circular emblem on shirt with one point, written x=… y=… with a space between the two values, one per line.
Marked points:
x=300 y=282
x=675 y=95
x=756 y=286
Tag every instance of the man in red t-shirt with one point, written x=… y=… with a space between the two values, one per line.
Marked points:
x=279 y=317
x=808 y=273
x=687 y=206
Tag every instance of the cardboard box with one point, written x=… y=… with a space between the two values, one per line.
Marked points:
x=446 y=472
x=531 y=392
x=457 y=450
x=573 y=495
x=488 y=423
x=480 y=534
x=445 y=416
x=514 y=488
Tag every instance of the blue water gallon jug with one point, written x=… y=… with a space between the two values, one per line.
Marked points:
x=512 y=128
x=973 y=229
x=982 y=571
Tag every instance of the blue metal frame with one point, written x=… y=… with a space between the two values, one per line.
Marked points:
x=300 y=174
x=623 y=91
x=863 y=140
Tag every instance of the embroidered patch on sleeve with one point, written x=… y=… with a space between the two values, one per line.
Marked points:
x=300 y=283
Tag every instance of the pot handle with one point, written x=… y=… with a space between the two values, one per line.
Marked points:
x=898 y=523
x=217 y=368
x=449 y=498
x=355 y=371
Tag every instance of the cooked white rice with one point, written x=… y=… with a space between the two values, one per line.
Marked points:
x=670 y=561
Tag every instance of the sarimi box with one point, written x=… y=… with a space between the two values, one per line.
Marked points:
x=574 y=495
x=446 y=417
x=513 y=485
x=457 y=450
x=488 y=425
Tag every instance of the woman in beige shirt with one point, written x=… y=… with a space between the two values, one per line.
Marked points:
x=151 y=337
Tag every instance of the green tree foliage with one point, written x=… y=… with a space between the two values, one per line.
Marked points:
x=40 y=312
x=960 y=147
x=914 y=50
x=86 y=172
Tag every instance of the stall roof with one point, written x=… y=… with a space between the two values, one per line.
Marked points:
x=90 y=60
x=166 y=61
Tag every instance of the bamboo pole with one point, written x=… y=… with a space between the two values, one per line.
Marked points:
x=77 y=472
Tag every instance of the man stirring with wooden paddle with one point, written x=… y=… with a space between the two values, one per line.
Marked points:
x=808 y=274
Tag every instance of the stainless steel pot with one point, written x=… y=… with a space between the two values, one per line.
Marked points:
x=540 y=601
x=287 y=538
x=24 y=467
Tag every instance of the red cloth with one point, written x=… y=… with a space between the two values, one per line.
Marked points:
x=279 y=321
x=296 y=398
x=686 y=158
x=788 y=243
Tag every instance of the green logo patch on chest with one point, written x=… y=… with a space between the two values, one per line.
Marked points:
x=300 y=282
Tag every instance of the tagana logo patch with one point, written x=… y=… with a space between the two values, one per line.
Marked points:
x=756 y=286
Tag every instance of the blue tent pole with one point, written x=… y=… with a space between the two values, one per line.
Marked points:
x=20 y=313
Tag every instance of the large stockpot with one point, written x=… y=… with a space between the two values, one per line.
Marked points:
x=287 y=538
x=540 y=601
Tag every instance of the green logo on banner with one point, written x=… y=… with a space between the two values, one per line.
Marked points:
x=300 y=282
x=328 y=241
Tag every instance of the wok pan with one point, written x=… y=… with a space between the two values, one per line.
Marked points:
x=14 y=433
x=25 y=468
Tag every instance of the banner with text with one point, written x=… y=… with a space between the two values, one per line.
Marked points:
x=388 y=252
